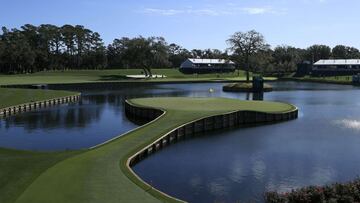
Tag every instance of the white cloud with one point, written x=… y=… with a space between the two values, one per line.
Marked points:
x=213 y=11
x=264 y=10
x=312 y=1
x=209 y=12
x=257 y=10
x=165 y=12
x=170 y=12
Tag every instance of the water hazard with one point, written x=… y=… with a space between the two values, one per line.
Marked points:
x=320 y=147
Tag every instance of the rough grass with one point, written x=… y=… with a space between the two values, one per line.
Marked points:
x=14 y=96
x=116 y=75
x=101 y=174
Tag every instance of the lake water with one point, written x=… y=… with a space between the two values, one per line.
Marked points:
x=320 y=147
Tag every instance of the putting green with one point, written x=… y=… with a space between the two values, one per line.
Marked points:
x=102 y=175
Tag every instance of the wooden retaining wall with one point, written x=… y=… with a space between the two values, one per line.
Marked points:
x=193 y=128
x=12 y=110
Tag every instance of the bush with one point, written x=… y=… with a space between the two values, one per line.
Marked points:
x=347 y=192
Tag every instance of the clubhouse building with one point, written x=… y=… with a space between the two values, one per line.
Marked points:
x=192 y=65
x=336 y=67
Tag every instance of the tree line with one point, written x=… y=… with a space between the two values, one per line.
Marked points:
x=46 y=47
x=252 y=53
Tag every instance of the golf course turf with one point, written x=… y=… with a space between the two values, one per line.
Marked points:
x=18 y=169
x=101 y=174
x=115 y=75
x=15 y=96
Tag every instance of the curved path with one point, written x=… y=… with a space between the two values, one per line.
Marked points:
x=102 y=174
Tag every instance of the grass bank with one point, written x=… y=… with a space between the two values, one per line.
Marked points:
x=342 y=80
x=101 y=174
x=14 y=96
x=18 y=169
x=116 y=75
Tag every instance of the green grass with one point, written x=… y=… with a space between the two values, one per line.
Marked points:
x=118 y=75
x=14 y=96
x=101 y=174
x=244 y=87
x=329 y=79
x=18 y=169
x=335 y=78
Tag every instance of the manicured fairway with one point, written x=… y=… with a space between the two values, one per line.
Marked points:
x=14 y=96
x=101 y=174
x=18 y=169
x=117 y=75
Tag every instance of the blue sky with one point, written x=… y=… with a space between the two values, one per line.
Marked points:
x=198 y=23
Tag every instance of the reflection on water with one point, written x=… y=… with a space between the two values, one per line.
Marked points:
x=240 y=165
x=235 y=165
x=348 y=123
x=258 y=96
x=94 y=119
x=97 y=117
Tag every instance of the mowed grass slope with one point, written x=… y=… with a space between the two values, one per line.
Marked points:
x=101 y=174
x=110 y=75
x=14 y=96
x=18 y=169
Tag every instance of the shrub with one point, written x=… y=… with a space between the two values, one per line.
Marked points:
x=344 y=193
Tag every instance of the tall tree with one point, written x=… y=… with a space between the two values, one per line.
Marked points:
x=317 y=52
x=17 y=55
x=53 y=42
x=95 y=51
x=115 y=53
x=140 y=52
x=37 y=48
x=177 y=55
x=196 y=53
x=286 y=58
x=262 y=62
x=243 y=45
x=344 y=52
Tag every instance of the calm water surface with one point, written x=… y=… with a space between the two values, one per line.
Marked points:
x=320 y=147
